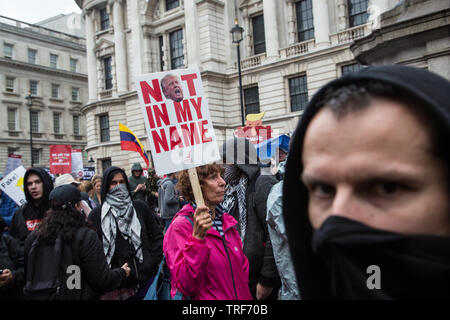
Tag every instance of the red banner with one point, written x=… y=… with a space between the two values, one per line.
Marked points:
x=255 y=134
x=60 y=159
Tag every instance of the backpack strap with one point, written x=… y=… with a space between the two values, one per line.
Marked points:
x=190 y=220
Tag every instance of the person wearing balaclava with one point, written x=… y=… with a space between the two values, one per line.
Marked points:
x=245 y=199
x=37 y=186
x=366 y=189
x=130 y=234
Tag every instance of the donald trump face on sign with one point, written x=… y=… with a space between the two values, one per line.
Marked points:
x=171 y=87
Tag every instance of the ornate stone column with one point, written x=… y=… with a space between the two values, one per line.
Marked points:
x=191 y=32
x=321 y=23
x=271 y=29
x=91 y=59
x=120 y=47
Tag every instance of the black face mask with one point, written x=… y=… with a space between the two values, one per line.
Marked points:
x=366 y=263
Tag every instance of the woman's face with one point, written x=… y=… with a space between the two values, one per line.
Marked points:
x=98 y=186
x=214 y=189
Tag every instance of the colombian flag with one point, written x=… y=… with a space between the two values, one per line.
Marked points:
x=129 y=141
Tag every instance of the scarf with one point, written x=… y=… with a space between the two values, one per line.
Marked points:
x=118 y=212
x=237 y=183
x=367 y=263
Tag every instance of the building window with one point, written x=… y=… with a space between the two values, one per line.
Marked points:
x=12 y=150
x=34 y=121
x=251 y=100
x=104 y=19
x=34 y=87
x=305 y=23
x=7 y=50
x=9 y=87
x=349 y=68
x=73 y=65
x=55 y=91
x=104 y=128
x=171 y=4
x=12 y=115
x=108 y=73
x=298 y=91
x=57 y=122
x=75 y=94
x=259 y=38
x=161 y=53
x=357 y=12
x=53 y=60
x=176 y=49
x=76 y=125
x=32 y=56
x=106 y=163
x=36 y=156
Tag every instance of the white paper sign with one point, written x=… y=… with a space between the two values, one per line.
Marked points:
x=14 y=161
x=177 y=120
x=77 y=163
x=13 y=185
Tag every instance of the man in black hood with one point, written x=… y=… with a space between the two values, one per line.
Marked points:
x=37 y=186
x=129 y=233
x=366 y=192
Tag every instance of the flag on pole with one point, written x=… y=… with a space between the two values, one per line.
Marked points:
x=129 y=141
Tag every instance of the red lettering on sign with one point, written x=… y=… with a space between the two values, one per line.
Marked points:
x=189 y=78
x=160 y=140
x=161 y=114
x=204 y=131
x=175 y=140
x=198 y=107
x=150 y=117
x=148 y=91
x=183 y=111
x=190 y=136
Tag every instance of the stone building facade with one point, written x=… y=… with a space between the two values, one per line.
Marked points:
x=52 y=66
x=290 y=49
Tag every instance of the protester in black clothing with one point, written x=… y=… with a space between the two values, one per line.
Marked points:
x=366 y=190
x=129 y=233
x=11 y=266
x=80 y=246
x=37 y=186
x=245 y=199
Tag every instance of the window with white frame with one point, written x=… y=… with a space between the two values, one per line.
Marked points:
x=53 y=60
x=259 y=37
x=9 y=84
x=12 y=119
x=251 y=100
x=34 y=121
x=357 y=12
x=73 y=65
x=171 y=4
x=34 y=87
x=55 y=91
x=36 y=156
x=75 y=94
x=108 y=73
x=350 y=68
x=56 y=122
x=298 y=92
x=305 y=22
x=104 y=128
x=8 y=50
x=176 y=49
x=104 y=19
x=76 y=125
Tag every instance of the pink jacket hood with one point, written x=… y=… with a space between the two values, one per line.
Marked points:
x=204 y=269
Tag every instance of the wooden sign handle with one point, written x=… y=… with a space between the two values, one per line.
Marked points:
x=195 y=184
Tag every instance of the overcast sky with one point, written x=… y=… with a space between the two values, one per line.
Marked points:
x=33 y=11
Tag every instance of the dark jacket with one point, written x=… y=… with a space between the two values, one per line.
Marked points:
x=151 y=238
x=169 y=203
x=86 y=251
x=29 y=216
x=425 y=87
x=257 y=244
x=135 y=181
x=11 y=257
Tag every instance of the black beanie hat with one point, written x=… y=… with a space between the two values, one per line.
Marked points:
x=66 y=194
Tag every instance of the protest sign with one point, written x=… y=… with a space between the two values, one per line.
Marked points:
x=13 y=185
x=255 y=134
x=77 y=163
x=88 y=173
x=14 y=161
x=178 y=122
x=60 y=159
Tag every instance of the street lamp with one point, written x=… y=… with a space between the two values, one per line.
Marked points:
x=236 y=33
x=91 y=160
x=29 y=98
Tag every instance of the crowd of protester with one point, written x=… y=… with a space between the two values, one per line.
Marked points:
x=365 y=183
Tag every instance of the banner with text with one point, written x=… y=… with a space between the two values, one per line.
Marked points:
x=14 y=161
x=177 y=120
x=13 y=185
x=60 y=159
x=77 y=163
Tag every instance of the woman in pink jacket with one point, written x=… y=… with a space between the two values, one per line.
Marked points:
x=202 y=246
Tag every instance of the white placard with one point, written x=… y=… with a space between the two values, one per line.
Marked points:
x=13 y=185
x=77 y=163
x=14 y=161
x=177 y=120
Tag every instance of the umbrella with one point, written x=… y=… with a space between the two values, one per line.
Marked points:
x=267 y=148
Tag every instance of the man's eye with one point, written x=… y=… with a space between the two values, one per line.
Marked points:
x=322 y=190
x=386 y=188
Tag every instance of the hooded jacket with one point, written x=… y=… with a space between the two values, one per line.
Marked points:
x=135 y=181
x=29 y=216
x=257 y=244
x=151 y=237
x=429 y=89
x=168 y=199
x=203 y=269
